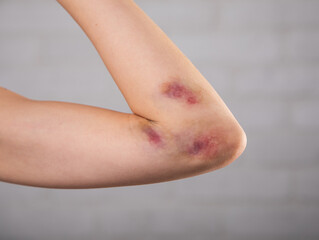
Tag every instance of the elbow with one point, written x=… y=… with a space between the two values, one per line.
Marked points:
x=198 y=146
x=214 y=147
x=234 y=144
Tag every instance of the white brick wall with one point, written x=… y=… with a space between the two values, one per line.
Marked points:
x=18 y=51
x=272 y=221
x=260 y=113
x=285 y=149
x=302 y=45
x=306 y=185
x=34 y=17
x=267 y=15
x=282 y=81
x=263 y=59
x=306 y=114
x=75 y=49
x=240 y=185
x=196 y=16
x=230 y=48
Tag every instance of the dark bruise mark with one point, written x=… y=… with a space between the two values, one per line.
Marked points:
x=153 y=136
x=178 y=91
x=191 y=100
x=206 y=145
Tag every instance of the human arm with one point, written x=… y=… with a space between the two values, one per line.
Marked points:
x=67 y=145
x=179 y=128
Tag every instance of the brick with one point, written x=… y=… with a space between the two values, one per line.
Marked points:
x=146 y=196
x=299 y=13
x=122 y=223
x=186 y=223
x=294 y=81
x=248 y=14
x=268 y=14
x=179 y=16
x=306 y=185
x=281 y=148
x=219 y=77
x=301 y=46
x=38 y=17
x=43 y=227
x=235 y=185
x=285 y=221
x=18 y=51
x=91 y=85
x=103 y=212
x=230 y=49
x=305 y=114
x=69 y=50
x=259 y=113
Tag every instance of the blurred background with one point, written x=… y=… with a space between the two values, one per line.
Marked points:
x=261 y=56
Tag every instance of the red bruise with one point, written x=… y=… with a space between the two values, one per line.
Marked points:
x=191 y=100
x=153 y=136
x=204 y=145
x=176 y=90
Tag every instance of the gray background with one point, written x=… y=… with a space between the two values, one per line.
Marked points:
x=262 y=57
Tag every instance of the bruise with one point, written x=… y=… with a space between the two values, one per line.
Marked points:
x=153 y=136
x=200 y=145
x=203 y=145
x=176 y=90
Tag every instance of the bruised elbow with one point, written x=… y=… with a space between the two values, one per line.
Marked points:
x=234 y=144
x=211 y=147
x=199 y=145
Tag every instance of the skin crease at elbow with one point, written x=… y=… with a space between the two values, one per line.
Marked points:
x=203 y=145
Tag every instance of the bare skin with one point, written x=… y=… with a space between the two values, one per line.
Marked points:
x=179 y=126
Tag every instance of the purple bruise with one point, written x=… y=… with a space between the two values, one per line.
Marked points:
x=176 y=90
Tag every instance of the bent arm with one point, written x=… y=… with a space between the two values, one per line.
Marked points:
x=67 y=145
x=179 y=128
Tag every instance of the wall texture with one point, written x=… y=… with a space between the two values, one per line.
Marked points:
x=261 y=56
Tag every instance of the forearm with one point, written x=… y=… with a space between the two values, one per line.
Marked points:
x=66 y=145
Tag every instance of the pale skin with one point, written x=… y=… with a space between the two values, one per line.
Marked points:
x=179 y=126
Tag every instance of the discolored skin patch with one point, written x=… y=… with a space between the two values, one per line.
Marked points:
x=148 y=131
x=153 y=136
x=191 y=142
x=200 y=144
x=177 y=90
x=203 y=145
